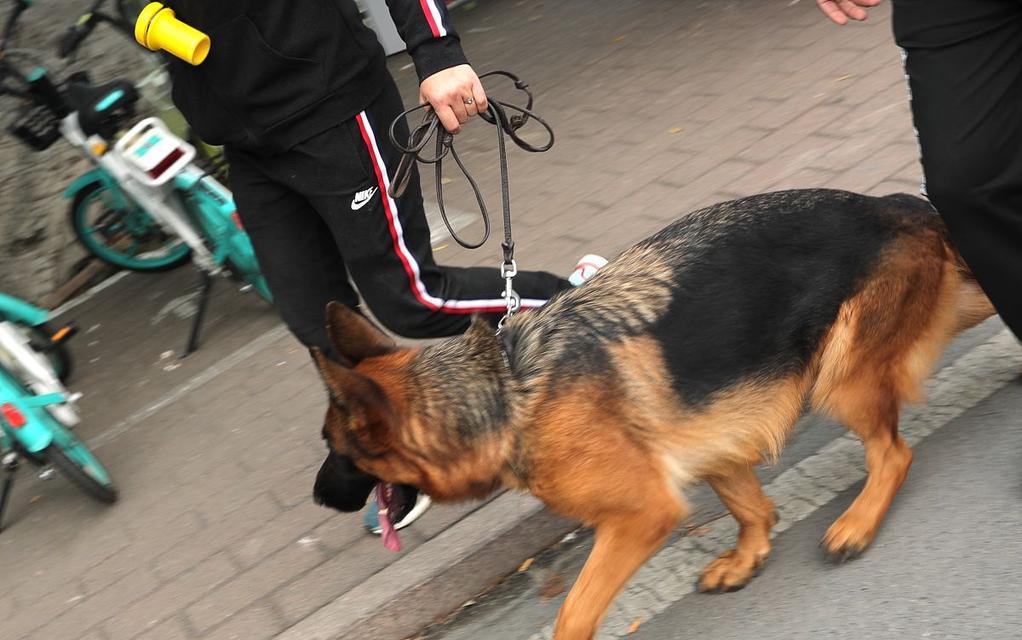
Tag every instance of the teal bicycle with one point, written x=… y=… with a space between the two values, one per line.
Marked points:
x=37 y=413
x=146 y=205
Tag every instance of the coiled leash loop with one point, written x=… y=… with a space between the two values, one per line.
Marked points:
x=508 y=119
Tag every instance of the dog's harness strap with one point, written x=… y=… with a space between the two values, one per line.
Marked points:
x=497 y=115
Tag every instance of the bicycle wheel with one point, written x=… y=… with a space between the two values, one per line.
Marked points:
x=70 y=455
x=124 y=236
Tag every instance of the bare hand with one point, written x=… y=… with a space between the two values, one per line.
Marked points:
x=841 y=10
x=455 y=95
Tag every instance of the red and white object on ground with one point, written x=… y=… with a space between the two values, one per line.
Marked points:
x=152 y=153
x=586 y=268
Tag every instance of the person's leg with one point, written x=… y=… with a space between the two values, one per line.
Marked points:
x=386 y=241
x=296 y=251
x=299 y=257
x=965 y=76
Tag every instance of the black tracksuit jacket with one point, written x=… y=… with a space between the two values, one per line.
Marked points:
x=281 y=71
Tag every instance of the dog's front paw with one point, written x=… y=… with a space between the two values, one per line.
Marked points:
x=729 y=572
x=847 y=538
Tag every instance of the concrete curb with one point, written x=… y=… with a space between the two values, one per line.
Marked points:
x=440 y=575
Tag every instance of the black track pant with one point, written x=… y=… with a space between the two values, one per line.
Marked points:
x=319 y=214
x=964 y=63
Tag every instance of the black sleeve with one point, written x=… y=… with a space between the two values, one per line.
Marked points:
x=427 y=31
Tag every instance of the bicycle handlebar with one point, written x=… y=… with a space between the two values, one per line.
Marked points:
x=75 y=35
x=78 y=32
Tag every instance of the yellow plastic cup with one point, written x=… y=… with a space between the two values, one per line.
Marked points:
x=157 y=29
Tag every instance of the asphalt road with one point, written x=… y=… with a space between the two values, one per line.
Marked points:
x=947 y=564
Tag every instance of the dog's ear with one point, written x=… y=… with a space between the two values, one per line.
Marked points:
x=347 y=387
x=353 y=337
x=359 y=407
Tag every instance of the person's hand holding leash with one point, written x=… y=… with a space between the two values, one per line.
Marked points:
x=455 y=94
x=840 y=11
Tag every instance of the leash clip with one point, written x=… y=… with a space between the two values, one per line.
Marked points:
x=508 y=270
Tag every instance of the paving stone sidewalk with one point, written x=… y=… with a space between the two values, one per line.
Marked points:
x=659 y=107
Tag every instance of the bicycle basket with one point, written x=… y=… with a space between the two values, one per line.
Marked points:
x=37 y=126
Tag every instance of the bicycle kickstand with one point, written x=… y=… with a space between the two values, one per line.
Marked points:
x=205 y=287
x=10 y=467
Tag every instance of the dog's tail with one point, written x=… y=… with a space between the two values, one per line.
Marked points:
x=972 y=305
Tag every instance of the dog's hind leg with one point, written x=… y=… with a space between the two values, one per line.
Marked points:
x=880 y=350
x=872 y=414
x=742 y=494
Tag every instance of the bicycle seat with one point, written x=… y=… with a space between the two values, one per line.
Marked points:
x=99 y=105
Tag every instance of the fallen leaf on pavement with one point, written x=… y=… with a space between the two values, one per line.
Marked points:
x=632 y=628
x=525 y=565
x=553 y=587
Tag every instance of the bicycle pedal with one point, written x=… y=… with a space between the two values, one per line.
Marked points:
x=64 y=334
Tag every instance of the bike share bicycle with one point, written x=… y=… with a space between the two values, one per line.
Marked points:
x=145 y=205
x=37 y=413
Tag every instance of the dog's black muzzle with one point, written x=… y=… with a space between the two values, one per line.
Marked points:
x=340 y=485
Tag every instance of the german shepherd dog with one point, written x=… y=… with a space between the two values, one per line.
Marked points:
x=689 y=357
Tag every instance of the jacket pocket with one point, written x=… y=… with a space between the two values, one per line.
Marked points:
x=361 y=149
x=260 y=84
x=204 y=110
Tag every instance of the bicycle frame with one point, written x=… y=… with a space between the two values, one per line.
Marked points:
x=35 y=434
x=30 y=375
x=214 y=204
x=12 y=308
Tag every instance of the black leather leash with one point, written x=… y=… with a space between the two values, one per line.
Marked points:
x=508 y=119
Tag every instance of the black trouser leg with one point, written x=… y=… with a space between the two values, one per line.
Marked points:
x=296 y=251
x=964 y=62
